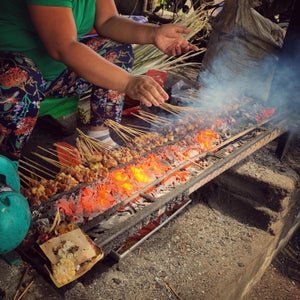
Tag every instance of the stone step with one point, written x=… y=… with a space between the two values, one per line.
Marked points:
x=259 y=191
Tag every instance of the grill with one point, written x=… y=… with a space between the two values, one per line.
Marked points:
x=136 y=214
x=215 y=164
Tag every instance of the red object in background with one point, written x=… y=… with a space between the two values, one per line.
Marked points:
x=131 y=110
x=265 y=114
x=67 y=154
x=93 y=31
x=159 y=76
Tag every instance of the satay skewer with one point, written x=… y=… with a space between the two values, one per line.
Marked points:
x=30 y=171
x=92 y=144
x=126 y=131
x=47 y=159
x=20 y=283
x=49 y=151
x=40 y=169
x=24 y=182
x=26 y=290
x=37 y=165
x=25 y=177
x=53 y=152
x=152 y=119
x=176 y=109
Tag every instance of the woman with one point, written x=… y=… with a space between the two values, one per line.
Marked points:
x=44 y=52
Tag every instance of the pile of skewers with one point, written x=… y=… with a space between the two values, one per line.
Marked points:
x=65 y=167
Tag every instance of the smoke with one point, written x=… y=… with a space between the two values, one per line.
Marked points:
x=285 y=87
x=233 y=73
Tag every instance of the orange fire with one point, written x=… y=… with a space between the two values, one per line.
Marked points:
x=104 y=196
x=177 y=177
x=206 y=138
x=88 y=200
x=140 y=174
x=123 y=182
x=119 y=175
x=155 y=165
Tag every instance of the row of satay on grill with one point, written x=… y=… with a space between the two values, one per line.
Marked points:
x=95 y=167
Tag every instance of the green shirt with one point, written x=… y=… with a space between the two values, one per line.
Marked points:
x=17 y=33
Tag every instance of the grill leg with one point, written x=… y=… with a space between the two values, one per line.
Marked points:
x=283 y=144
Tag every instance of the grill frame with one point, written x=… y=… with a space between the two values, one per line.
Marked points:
x=113 y=238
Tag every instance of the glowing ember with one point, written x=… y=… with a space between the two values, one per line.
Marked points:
x=220 y=123
x=88 y=200
x=121 y=182
x=155 y=166
x=265 y=114
x=119 y=175
x=71 y=209
x=127 y=186
x=140 y=174
x=207 y=138
x=179 y=177
x=104 y=196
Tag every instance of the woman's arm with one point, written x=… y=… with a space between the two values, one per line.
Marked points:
x=110 y=24
x=57 y=29
x=168 y=38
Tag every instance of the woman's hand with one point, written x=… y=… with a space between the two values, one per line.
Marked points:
x=169 y=39
x=146 y=89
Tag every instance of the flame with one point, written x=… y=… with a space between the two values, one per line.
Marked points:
x=128 y=186
x=104 y=196
x=158 y=167
x=88 y=200
x=119 y=175
x=123 y=182
x=140 y=174
x=206 y=138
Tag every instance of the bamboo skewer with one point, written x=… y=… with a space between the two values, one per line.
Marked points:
x=90 y=144
x=177 y=109
x=53 y=152
x=66 y=149
x=148 y=56
x=40 y=169
x=83 y=149
x=131 y=130
x=26 y=179
x=125 y=132
x=20 y=283
x=47 y=159
x=56 y=221
x=49 y=151
x=25 y=169
x=26 y=290
x=23 y=181
x=38 y=165
x=152 y=119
